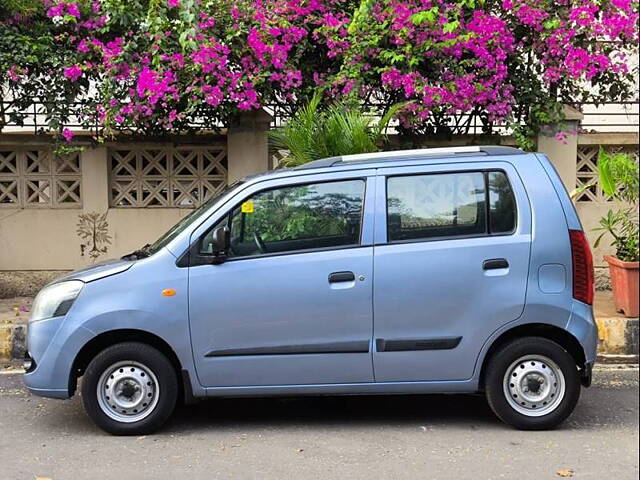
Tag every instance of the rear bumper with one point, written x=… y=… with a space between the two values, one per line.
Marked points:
x=586 y=374
x=583 y=327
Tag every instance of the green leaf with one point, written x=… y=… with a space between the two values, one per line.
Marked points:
x=551 y=24
x=360 y=16
x=451 y=26
x=604 y=171
x=428 y=16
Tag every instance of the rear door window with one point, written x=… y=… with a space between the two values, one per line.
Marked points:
x=436 y=205
x=449 y=205
x=502 y=203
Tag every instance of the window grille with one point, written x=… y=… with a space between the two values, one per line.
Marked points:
x=166 y=177
x=38 y=178
x=587 y=170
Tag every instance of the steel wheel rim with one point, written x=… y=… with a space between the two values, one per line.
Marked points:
x=128 y=391
x=534 y=385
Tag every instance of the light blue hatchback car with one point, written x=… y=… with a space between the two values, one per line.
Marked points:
x=451 y=270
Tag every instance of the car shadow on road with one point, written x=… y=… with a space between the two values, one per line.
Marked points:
x=329 y=411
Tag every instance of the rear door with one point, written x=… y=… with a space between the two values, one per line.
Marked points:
x=451 y=263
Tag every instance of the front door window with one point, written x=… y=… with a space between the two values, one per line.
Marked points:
x=293 y=218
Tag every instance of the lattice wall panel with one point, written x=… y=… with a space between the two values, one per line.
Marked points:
x=38 y=178
x=166 y=177
x=587 y=170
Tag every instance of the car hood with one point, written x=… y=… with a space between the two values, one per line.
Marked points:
x=98 y=271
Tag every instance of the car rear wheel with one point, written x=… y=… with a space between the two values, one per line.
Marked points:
x=532 y=383
x=130 y=389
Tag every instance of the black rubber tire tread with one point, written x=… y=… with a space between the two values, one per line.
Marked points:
x=153 y=359
x=509 y=353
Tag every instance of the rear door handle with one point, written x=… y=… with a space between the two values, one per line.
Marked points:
x=336 y=277
x=495 y=263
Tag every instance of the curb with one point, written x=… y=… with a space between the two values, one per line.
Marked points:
x=13 y=339
x=618 y=335
x=605 y=359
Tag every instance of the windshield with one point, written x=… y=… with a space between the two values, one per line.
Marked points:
x=179 y=227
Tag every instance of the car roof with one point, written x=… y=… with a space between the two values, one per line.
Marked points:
x=391 y=158
x=424 y=153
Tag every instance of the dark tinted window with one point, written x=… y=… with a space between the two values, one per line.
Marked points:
x=435 y=205
x=502 y=204
x=293 y=218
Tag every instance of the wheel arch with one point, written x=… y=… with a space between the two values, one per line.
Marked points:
x=562 y=337
x=112 y=337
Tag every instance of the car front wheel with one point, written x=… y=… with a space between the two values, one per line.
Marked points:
x=532 y=383
x=130 y=389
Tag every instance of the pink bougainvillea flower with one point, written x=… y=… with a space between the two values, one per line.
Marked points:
x=173 y=3
x=73 y=73
x=113 y=48
x=83 y=46
x=67 y=134
x=56 y=11
x=13 y=74
x=73 y=10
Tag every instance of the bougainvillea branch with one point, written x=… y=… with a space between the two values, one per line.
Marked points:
x=159 y=66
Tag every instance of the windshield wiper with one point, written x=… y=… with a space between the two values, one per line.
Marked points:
x=137 y=254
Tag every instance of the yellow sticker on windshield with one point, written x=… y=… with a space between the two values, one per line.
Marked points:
x=247 y=207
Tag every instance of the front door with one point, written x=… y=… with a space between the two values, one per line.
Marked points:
x=293 y=303
x=451 y=264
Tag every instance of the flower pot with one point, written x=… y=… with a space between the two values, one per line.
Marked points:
x=624 y=282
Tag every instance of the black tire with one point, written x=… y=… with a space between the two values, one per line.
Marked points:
x=152 y=359
x=503 y=359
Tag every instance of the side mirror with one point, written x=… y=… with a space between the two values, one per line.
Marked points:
x=221 y=241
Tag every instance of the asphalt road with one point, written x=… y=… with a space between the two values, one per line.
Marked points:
x=423 y=437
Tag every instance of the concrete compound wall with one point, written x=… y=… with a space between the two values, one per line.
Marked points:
x=41 y=238
x=38 y=237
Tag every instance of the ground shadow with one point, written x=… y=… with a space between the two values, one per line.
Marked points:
x=347 y=411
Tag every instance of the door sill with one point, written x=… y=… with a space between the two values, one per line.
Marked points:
x=381 y=388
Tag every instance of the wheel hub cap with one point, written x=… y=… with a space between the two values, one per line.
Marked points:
x=534 y=385
x=128 y=391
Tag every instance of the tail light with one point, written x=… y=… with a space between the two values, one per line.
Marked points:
x=582 y=267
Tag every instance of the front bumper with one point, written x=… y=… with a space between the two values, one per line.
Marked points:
x=53 y=350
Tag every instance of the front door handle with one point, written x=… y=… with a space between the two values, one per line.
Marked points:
x=337 y=277
x=495 y=263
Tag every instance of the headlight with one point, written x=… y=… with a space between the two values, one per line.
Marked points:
x=55 y=300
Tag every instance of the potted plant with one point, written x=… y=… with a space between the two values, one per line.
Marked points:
x=619 y=179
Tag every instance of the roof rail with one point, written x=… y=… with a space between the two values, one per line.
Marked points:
x=417 y=153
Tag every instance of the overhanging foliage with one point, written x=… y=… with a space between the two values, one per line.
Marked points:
x=161 y=66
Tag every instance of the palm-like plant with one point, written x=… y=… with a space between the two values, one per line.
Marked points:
x=618 y=175
x=341 y=129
